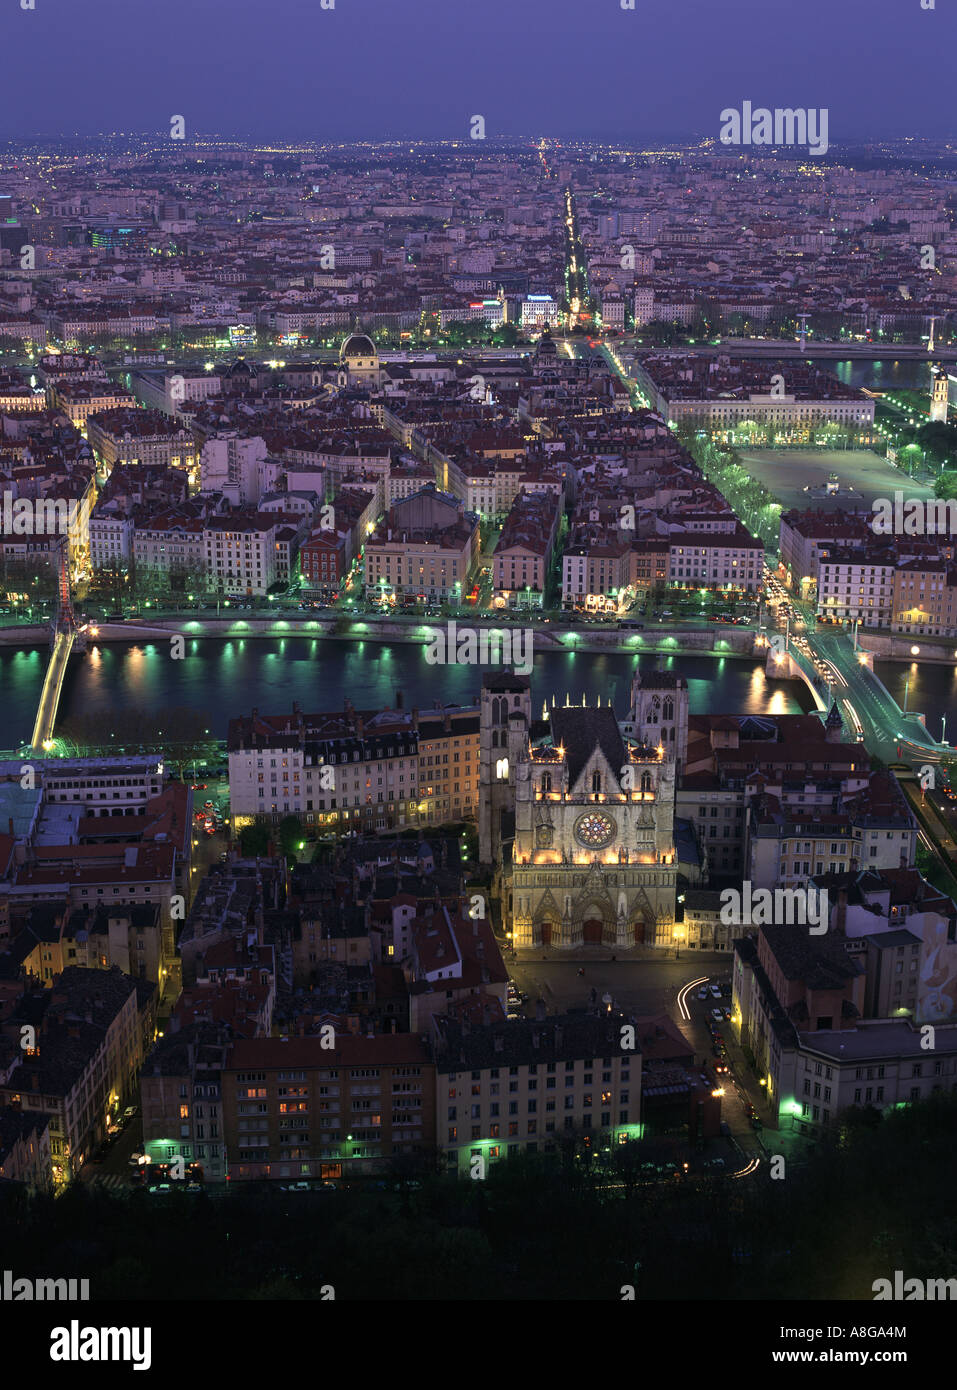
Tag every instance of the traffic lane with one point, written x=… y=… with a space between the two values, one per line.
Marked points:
x=116 y=1161
x=737 y=1080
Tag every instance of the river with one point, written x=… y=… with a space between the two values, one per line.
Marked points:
x=225 y=679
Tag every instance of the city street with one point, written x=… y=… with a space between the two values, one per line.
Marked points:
x=648 y=987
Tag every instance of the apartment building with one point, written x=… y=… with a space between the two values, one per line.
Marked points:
x=807 y=535
x=721 y=394
x=25 y=1148
x=88 y=1051
x=856 y=585
x=529 y=1086
x=720 y=561
x=924 y=598
x=596 y=567
x=296 y=1108
x=104 y=786
x=799 y=1006
x=140 y=437
x=872 y=829
x=78 y=400
x=241 y=552
x=172 y=541
x=524 y=550
x=363 y=771
x=426 y=546
x=181 y=1098
x=803 y=762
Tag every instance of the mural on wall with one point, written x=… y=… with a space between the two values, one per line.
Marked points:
x=937 y=992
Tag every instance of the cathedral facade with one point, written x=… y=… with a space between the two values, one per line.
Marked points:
x=593 y=856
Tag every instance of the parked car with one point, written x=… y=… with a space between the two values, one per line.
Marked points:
x=717 y=1015
x=715 y=992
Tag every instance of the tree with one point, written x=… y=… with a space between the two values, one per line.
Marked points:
x=290 y=834
x=254 y=840
x=946 y=485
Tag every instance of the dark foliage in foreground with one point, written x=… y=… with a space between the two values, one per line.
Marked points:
x=874 y=1198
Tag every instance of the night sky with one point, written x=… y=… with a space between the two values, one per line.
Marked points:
x=371 y=69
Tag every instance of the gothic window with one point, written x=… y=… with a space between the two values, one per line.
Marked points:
x=654 y=712
x=646 y=782
x=668 y=712
x=546 y=781
x=596 y=781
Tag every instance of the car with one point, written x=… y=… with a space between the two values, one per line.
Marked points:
x=130 y=1111
x=727 y=1015
x=717 y=1015
x=511 y=1015
x=755 y=1122
x=703 y=993
x=721 y=1067
x=715 y=992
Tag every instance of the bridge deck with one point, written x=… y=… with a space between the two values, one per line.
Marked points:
x=52 y=686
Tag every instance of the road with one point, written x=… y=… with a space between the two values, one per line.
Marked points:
x=646 y=988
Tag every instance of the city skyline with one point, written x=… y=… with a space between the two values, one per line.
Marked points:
x=356 y=72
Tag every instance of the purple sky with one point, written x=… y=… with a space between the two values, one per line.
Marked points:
x=371 y=69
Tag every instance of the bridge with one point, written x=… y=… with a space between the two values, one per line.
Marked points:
x=65 y=638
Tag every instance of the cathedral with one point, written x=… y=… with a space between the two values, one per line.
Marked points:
x=579 y=808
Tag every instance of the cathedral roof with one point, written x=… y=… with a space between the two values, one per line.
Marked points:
x=580 y=731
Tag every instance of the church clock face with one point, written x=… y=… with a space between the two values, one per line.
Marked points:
x=595 y=830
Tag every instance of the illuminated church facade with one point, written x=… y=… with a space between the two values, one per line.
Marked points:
x=593 y=859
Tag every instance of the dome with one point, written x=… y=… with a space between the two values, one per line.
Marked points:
x=357 y=345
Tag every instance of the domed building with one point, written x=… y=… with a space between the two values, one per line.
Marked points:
x=359 y=360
